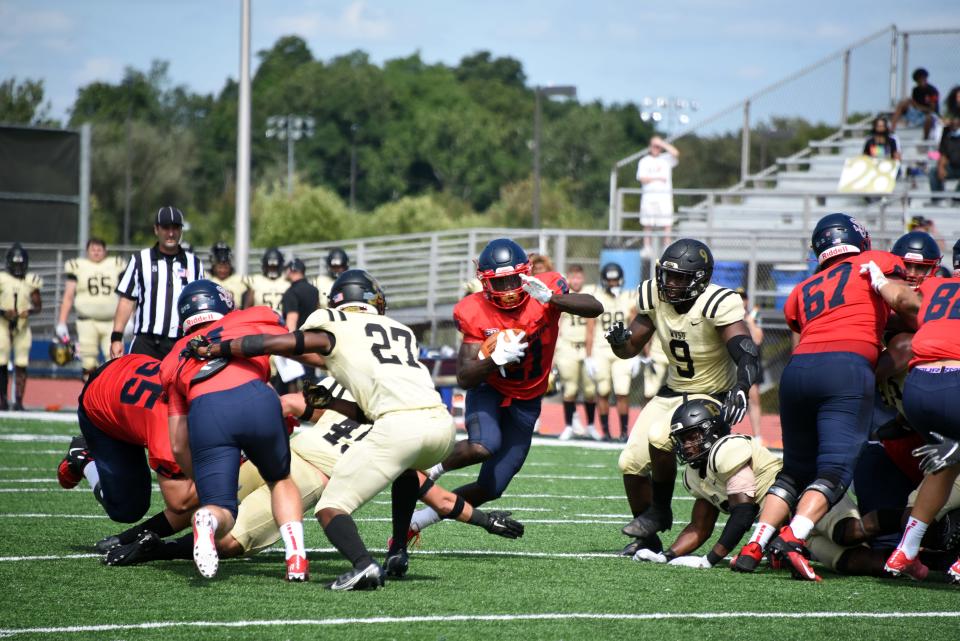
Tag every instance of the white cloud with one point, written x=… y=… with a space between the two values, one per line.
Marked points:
x=356 y=21
x=98 y=69
x=48 y=28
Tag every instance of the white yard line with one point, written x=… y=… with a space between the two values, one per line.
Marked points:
x=36 y=438
x=546 y=616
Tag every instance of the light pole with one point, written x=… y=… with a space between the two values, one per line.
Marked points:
x=541 y=92
x=290 y=128
x=672 y=112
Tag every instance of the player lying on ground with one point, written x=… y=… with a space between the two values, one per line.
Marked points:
x=728 y=473
x=314 y=454
x=374 y=357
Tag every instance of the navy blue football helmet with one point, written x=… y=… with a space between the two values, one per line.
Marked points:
x=356 y=288
x=683 y=271
x=611 y=272
x=695 y=427
x=920 y=253
x=203 y=301
x=498 y=268
x=837 y=235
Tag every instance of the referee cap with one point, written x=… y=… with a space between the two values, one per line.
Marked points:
x=169 y=215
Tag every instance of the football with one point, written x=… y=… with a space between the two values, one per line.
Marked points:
x=490 y=343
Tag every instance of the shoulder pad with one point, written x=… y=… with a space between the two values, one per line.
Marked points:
x=717 y=297
x=729 y=454
x=647 y=295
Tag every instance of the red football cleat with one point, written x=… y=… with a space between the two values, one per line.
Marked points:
x=70 y=470
x=413 y=536
x=953 y=574
x=298 y=568
x=748 y=559
x=900 y=564
x=791 y=550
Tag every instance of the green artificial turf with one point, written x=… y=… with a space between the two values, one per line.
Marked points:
x=560 y=571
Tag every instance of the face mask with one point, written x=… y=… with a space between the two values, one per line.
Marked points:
x=614 y=291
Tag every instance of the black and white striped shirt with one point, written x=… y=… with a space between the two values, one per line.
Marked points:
x=154 y=281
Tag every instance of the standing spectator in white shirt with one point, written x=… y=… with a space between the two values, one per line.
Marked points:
x=655 y=173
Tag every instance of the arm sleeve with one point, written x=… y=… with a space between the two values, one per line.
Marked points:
x=129 y=287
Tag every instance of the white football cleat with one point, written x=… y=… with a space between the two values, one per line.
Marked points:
x=567 y=433
x=204 y=545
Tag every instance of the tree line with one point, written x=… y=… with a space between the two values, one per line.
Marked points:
x=435 y=147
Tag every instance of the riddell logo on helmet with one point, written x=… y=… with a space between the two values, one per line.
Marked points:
x=671 y=264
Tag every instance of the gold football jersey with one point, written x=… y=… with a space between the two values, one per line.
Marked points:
x=891 y=390
x=267 y=291
x=323 y=283
x=616 y=309
x=375 y=359
x=15 y=293
x=573 y=328
x=96 y=282
x=324 y=443
x=727 y=457
x=236 y=285
x=699 y=361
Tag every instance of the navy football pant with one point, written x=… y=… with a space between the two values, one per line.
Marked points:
x=125 y=477
x=931 y=402
x=220 y=424
x=503 y=430
x=826 y=409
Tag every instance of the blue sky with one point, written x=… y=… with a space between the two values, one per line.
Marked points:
x=715 y=51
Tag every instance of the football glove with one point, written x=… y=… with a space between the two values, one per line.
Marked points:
x=618 y=334
x=507 y=352
x=943 y=452
x=62 y=332
x=648 y=555
x=499 y=522
x=877 y=279
x=192 y=349
x=696 y=562
x=317 y=395
x=590 y=368
x=734 y=407
x=536 y=288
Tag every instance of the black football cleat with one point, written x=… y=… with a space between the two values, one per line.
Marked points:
x=142 y=550
x=650 y=543
x=654 y=520
x=950 y=533
x=397 y=564
x=107 y=543
x=368 y=578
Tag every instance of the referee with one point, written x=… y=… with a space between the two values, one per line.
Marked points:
x=151 y=284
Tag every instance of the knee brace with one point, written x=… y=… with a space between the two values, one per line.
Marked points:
x=427 y=485
x=830 y=486
x=785 y=488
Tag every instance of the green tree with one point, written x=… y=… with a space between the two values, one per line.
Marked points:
x=22 y=103
x=312 y=214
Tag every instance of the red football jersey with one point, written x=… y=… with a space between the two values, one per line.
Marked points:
x=477 y=318
x=836 y=309
x=176 y=373
x=126 y=401
x=938 y=338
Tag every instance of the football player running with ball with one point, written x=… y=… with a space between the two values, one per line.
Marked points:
x=504 y=390
x=701 y=330
x=826 y=390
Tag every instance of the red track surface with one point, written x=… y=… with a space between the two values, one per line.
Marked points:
x=55 y=394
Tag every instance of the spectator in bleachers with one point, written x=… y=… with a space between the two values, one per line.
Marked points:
x=922 y=107
x=881 y=144
x=948 y=165
x=655 y=173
